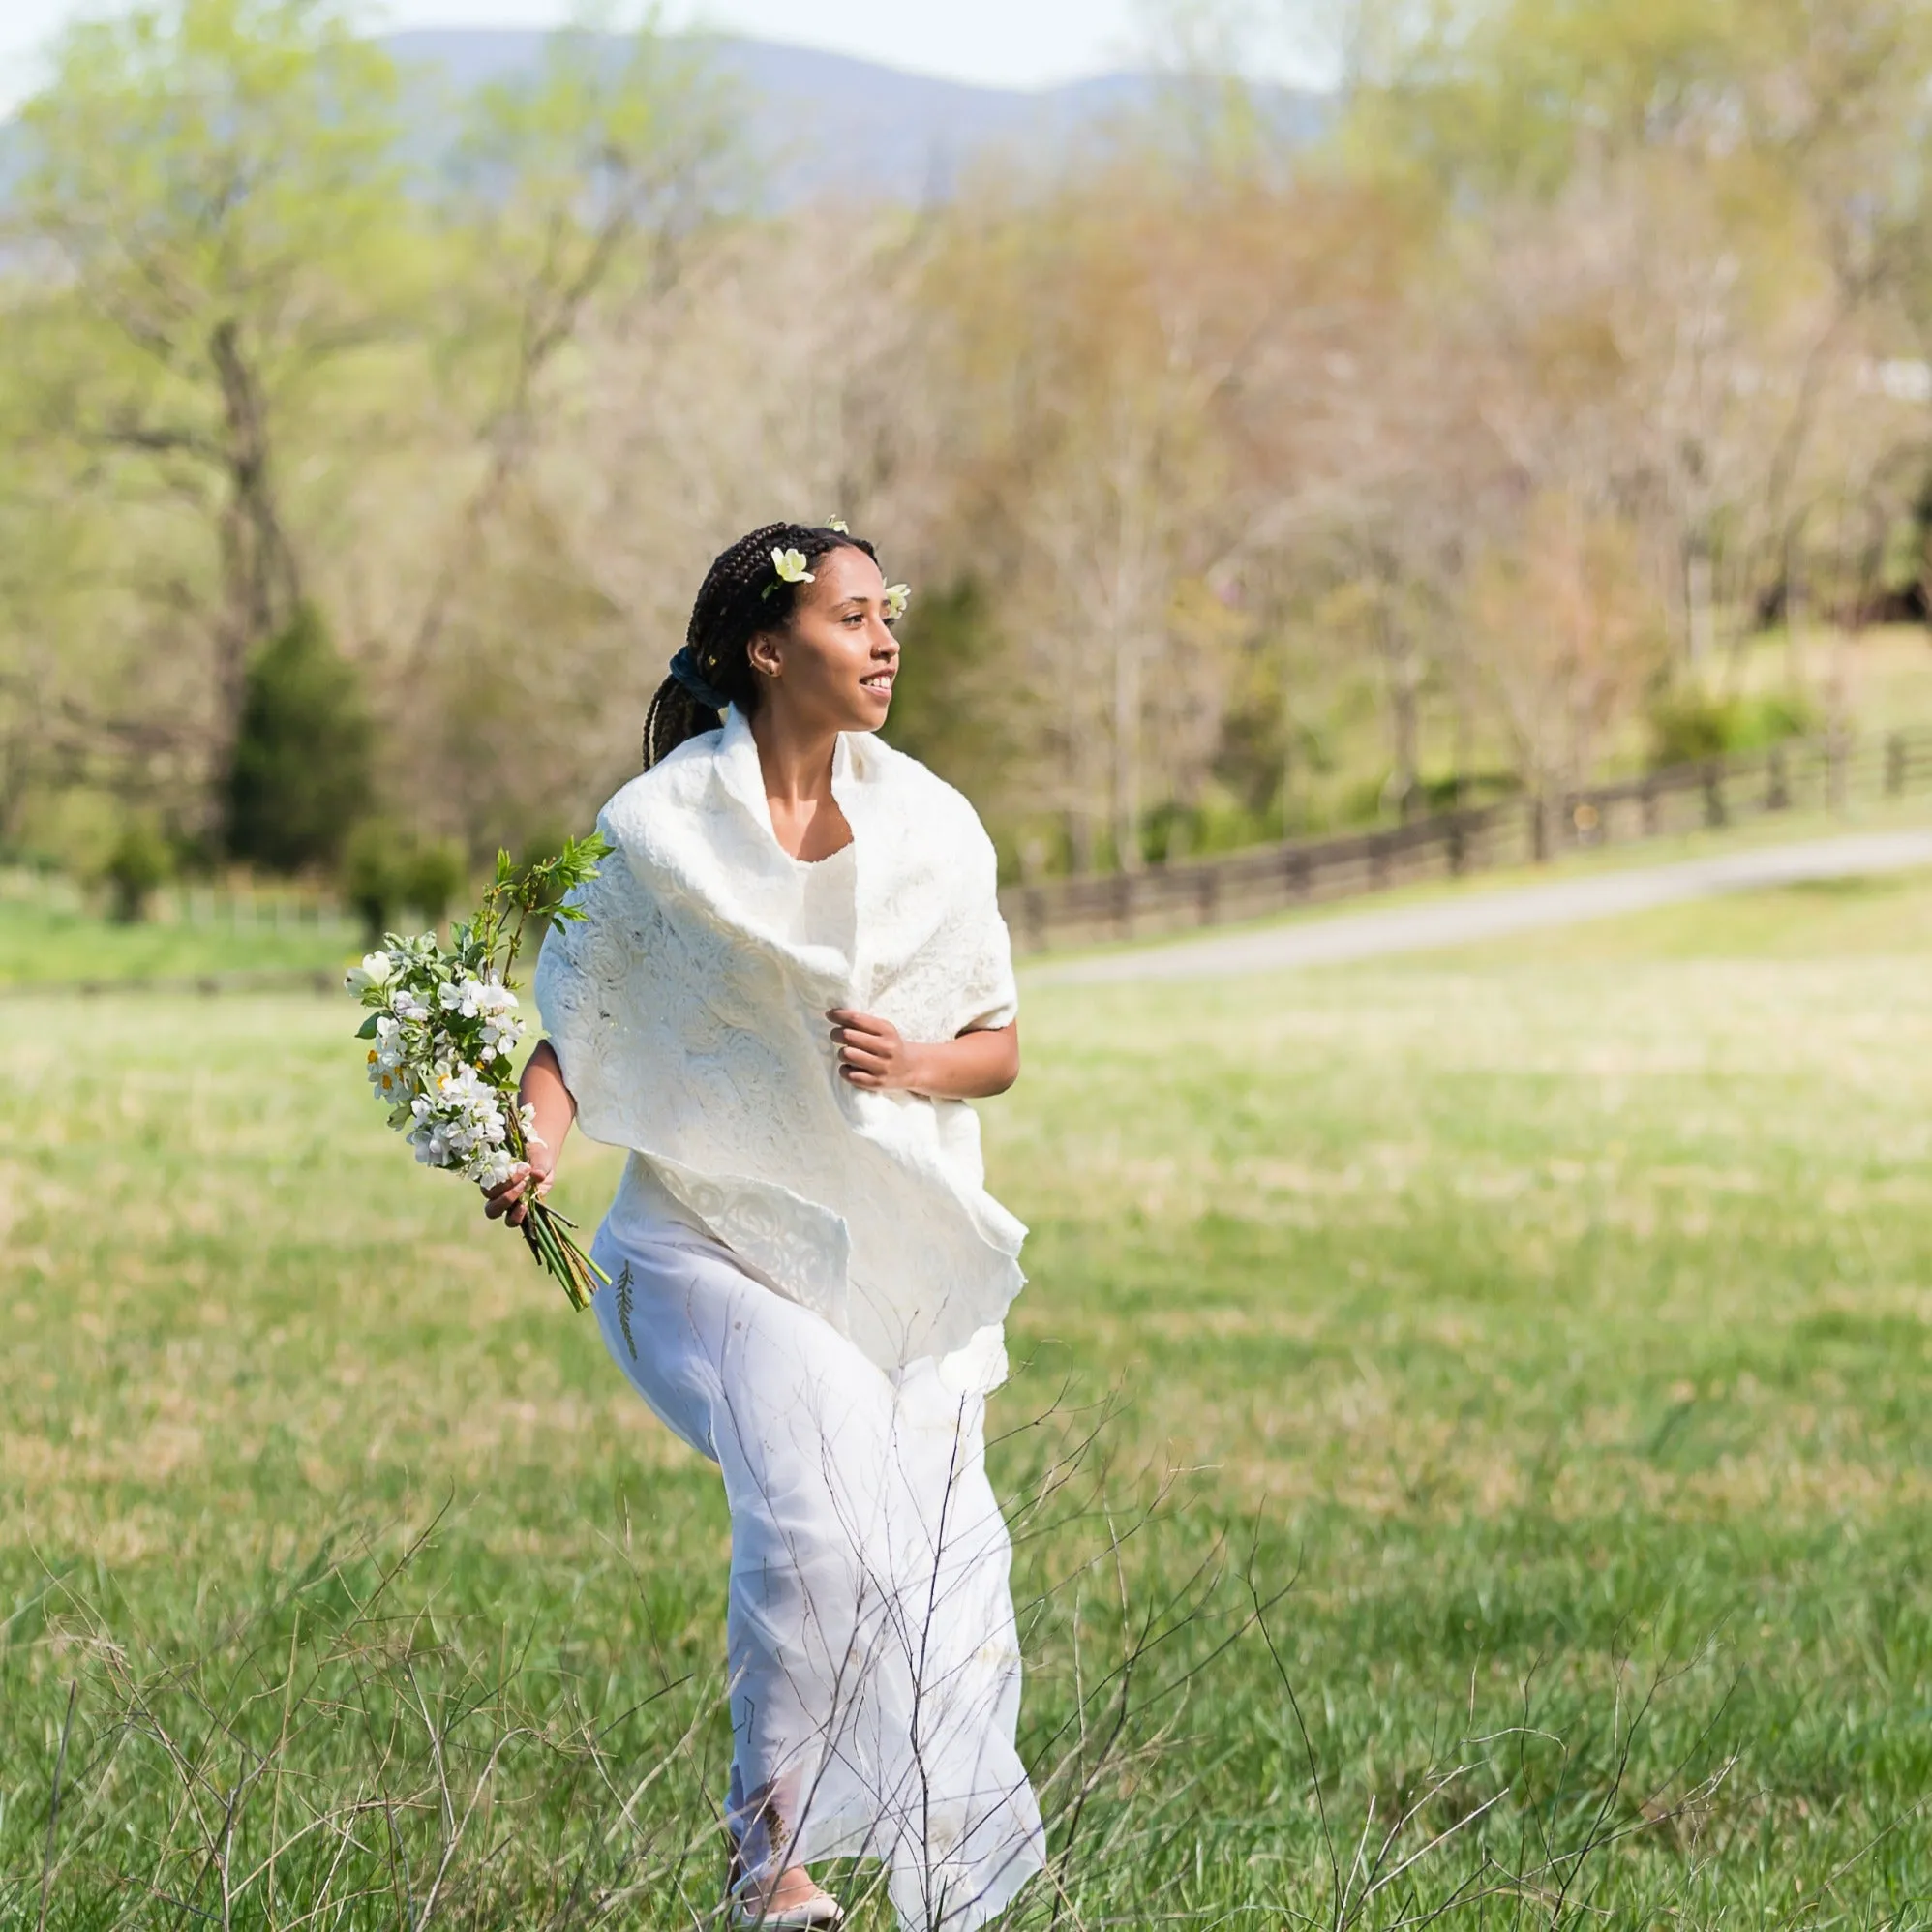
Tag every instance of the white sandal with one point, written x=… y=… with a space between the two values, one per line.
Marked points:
x=747 y=1911
x=815 y=1912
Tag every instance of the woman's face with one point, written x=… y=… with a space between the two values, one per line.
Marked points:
x=831 y=668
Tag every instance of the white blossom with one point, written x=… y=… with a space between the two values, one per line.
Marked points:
x=440 y=1040
x=898 y=597
x=474 y=999
x=376 y=972
x=460 y=1123
x=388 y=1060
x=500 y=1036
x=790 y=564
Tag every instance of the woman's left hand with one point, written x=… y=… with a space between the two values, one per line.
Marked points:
x=872 y=1052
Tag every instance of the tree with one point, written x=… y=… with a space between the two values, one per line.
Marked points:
x=300 y=775
x=1097 y=345
x=385 y=873
x=137 y=867
x=588 y=179
x=1744 y=181
x=1570 y=640
x=220 y=181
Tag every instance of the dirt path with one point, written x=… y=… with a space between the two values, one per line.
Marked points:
x=1494 y=915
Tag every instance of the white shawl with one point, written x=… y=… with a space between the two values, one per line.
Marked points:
x=689 y=1017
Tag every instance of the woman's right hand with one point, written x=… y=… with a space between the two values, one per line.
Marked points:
x=529 y=1180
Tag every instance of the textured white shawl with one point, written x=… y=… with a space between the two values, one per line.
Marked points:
x=688 y=1015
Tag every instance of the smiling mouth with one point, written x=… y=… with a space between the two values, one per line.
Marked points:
x=880 y=682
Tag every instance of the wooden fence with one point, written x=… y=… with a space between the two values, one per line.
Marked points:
x=1798 y=775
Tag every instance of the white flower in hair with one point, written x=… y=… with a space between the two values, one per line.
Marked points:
x=790 y=564
x=839 y=524
x=898 y=597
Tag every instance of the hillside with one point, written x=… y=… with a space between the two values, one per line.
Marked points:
x=826 y=124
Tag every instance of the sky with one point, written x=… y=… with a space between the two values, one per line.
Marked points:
x=1000 y=43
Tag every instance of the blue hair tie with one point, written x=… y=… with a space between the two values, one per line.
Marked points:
x=684 y=669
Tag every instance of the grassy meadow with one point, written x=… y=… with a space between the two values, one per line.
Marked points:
x=1471 y=1410
x=53 y=942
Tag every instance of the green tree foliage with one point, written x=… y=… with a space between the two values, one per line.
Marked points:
x=1689 y=723
x=369 y=876
x=1495 y=96
x=387 y=873
x=1484 y=99
x=301 y=770
x=258 y=354
x=220 y=181
x=1598 y=329
x=137 y=867
x=431 y=876
x=939 y=713
x=569 y=187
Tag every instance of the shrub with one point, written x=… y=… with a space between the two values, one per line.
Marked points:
x=1770 y=720
x=943 y=712
x=1688 y=724
x=300 y=773
x=369 y=876
x=1455 y=791
x=1364 y=802
x=431 y=876
x=140 y=862
x=386 y=873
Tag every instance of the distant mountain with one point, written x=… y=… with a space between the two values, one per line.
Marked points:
x=824 y=123
x=828 y=124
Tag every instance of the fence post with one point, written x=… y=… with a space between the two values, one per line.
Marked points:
x=1777 y=793
x=1649 y=796
x=1456 y=840
x=1894 y=764
x=1123 y=904
x=1834 y=769
x=1539 y=830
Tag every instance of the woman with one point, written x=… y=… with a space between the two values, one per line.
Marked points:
x=788 y=978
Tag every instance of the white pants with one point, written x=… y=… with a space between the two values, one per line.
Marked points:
x=874 y=1668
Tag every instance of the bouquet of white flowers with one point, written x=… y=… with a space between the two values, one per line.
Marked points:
x=443 y=1030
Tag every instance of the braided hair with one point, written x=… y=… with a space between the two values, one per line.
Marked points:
x=743 y=597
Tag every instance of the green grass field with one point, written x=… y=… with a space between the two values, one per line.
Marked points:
x=43 y=944
x=1538 y=1334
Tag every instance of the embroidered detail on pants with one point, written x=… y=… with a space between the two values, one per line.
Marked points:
x=626 y=1301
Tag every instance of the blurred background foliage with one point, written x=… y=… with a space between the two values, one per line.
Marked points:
x=1557 y=399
